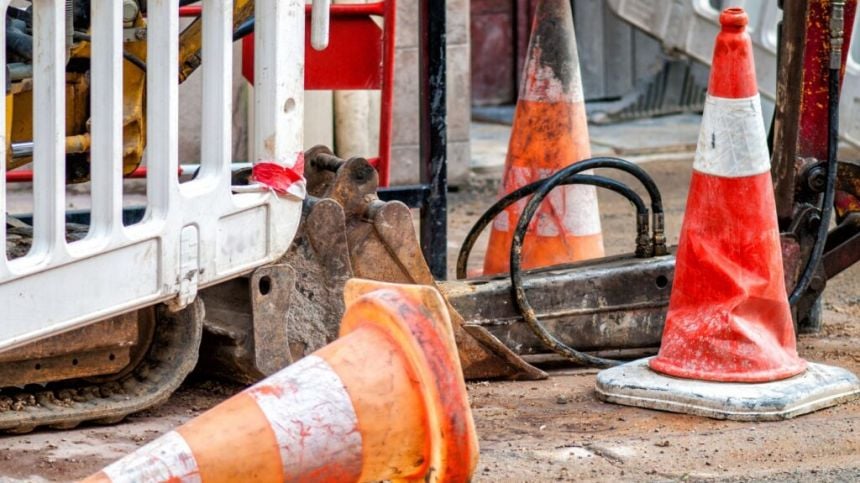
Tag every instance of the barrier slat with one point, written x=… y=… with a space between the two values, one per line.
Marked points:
x=49 y=128
x=4 y=269
x=162 y=125
x=107 y=116
x=217 y=114
x=278 y=113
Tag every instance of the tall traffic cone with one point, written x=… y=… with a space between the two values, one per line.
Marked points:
x=386 y=401
x=729 y=319
x=549 y=132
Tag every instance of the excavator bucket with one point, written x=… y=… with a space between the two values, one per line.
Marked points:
x=346 y=232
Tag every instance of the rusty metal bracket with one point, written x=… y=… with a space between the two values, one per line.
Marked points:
x=847 y=190
x=271 y=287
x=842 y=248
x=245 y=334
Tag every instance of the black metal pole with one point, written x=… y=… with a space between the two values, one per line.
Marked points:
x=434 y=140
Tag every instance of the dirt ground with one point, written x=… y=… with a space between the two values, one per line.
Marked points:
x=556 y=429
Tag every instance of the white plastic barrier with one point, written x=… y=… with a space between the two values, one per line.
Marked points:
x=690 y=26
x=193 y=234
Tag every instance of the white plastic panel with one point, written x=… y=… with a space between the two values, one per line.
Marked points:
x=690 y=26
x=192 y=235
x=849 y=105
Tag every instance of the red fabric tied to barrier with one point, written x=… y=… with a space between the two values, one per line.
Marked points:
x=281 y=179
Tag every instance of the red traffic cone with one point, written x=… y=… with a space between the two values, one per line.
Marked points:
x=729 y=319
x=550 y=131
x=386 y=401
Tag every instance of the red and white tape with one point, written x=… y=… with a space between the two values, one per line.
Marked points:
x=281 y=179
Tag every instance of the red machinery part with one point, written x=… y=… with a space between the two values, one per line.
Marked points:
x=190 y=11
x=811 y=138
x=360 y=56
x=26 y=175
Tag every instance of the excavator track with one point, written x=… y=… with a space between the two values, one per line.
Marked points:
x=170 y=357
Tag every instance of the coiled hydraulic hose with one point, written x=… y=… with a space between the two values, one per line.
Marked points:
x=658 y=239
x=539 y=190
x=531 y=188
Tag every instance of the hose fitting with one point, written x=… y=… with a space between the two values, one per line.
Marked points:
x=837 y=33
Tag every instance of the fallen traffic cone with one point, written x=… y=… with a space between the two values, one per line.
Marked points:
x=729 y=319
x=549 y=132
x=386 y=401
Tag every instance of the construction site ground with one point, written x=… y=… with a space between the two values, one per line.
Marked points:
x=557 y=429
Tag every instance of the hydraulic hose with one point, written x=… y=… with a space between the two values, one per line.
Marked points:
x=539 y=190
x=815 y=257
x=131 y=58
x=520 y=298
x=244 y=29
x=531 y=188
x=658 y=242
x=20 y=43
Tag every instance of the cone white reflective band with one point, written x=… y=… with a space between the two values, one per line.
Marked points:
x=732 y=140
x=573 y=208
x=168 y=458
x=541 y=84
x=312 y=416
x=578 y=204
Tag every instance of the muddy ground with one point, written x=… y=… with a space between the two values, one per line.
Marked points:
x=556 y=429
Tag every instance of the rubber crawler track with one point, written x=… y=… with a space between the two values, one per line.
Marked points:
x=171 y=356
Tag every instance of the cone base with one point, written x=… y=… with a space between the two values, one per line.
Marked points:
x=820 y=386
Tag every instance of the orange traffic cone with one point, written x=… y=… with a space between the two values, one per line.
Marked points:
x=729 y=319
x=549 y=132
x=386 y=401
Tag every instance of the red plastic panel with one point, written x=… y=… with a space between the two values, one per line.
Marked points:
x=360 y=56
x=812 y=138
x=493 y=59
x=353 y=59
